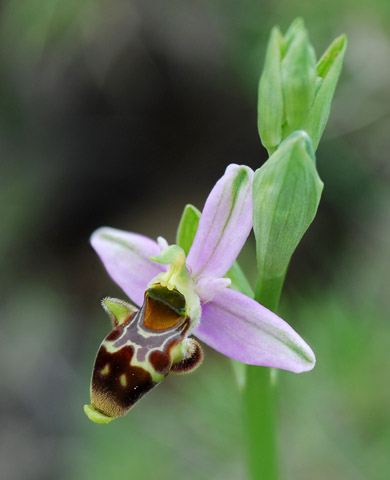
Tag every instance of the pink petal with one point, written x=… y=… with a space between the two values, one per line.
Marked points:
x=126 y=257
x=207 y=287
x=224 y=225
x=244 y=330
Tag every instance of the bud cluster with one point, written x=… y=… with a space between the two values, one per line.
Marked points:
x=295 y=94
x=295 y=91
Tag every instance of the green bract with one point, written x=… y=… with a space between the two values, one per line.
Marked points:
x=328 y=72
x=286 y=194
x=294 y=92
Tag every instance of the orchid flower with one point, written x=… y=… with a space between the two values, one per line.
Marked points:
x=178 y=296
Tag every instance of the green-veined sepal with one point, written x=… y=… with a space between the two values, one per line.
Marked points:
x=187 y=227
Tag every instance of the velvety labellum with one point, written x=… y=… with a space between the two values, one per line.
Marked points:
x=139 y=352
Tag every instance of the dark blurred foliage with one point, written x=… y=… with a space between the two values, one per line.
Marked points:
x=120 y=113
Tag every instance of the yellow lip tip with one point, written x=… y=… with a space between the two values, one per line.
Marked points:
x=96 y=416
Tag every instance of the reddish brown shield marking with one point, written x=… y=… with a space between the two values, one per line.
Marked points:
x=116 y=385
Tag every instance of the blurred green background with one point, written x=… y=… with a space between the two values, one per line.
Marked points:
x=119 y=113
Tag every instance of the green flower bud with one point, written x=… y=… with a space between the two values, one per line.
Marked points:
x=286 y=194
x=294 y=92
x=270 y=105
x=298 y=69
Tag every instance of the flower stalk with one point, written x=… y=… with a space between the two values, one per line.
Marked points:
x=295 y=94
x=260 y=400
x=286 y=194
x=259 y=405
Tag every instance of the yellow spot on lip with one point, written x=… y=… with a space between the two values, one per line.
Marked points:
x=96 y=416
x=123 y=380
x=106 y=369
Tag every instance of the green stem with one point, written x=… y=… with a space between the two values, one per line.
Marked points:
x=259 y=399
x=268 y=291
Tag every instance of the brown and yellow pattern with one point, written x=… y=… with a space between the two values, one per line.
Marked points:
x=141 y=350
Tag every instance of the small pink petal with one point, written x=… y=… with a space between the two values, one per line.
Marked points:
x=163 y=244
x=224 y=225
x=242 y=329
x=126 y=257
x=208 y=287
